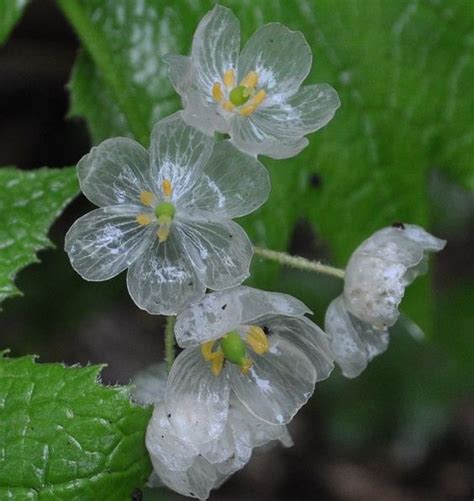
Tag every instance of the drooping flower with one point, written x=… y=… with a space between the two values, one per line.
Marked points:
x=166 y=215
x=195 y=469
x=253 y=344
x=255 y=97
x=375 y=280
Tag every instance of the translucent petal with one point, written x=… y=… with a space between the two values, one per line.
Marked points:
x=203 y=115
x=354 y=343
x=163 y=281
x=232 y=185
x=278 y=384
x=165 y=445
x=247 y=137
x=149 y=384
x=197 y=402
x=307 y=336
x=225 y=310
x=180 y=72
x=106 y=241
x=310 y=109
x=216 y=46
x=221 y=251
x=281 y=57
x=115 y=172
x=178 y=153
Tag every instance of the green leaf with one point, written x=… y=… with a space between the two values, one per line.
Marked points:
x=10 y=12
x=64 y=436
x=29 y=203
x=404 y=73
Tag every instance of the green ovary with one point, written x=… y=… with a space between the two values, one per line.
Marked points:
x=239 y=95
x=165 y=209
x=234 y=348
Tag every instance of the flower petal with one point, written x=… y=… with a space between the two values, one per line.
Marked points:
x=115 y=172
x=163 y=281
x=202 y=115
x=221 y=251
x=232 y=185
x=278 y=384
x=225 y=310
x=149 y=384
x=106 y=241
x=196 y=401
x=178 y=153
x=180 y=72
x=281 y=57
x=216 y=46
x=354 y=342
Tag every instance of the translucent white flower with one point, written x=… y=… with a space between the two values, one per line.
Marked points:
x=195 y=469
x=255 y=97
x=374 y=284
x=257 y=345
x=166 y=215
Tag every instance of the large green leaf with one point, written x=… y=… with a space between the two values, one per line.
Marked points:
x=404 y=73
x=29 y=203
x=64 y=436
x=10 y=12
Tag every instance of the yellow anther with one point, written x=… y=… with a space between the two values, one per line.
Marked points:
x=247 y=110
x=167 y=188
x=217 y=92
x=246 y=365
x=258 y=340
x=250 y=79
x=206 y=350
x=147 y=198
x=217 y=363
x=229 y=78
x=144 y=219
x=228 y=106
x=164 y=228
x=257 y=100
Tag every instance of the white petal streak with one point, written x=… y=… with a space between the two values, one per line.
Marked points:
x=216 y=46
x=106 y=241
x=220 y=250
x=197 y=402
x=163 y=280
x=115 y=172
x=278 y=384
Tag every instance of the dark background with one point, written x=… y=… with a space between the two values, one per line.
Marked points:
x=404 y=430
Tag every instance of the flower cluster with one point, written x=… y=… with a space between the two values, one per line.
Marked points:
x=250 y=359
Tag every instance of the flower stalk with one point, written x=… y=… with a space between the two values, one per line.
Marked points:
x=169 y=341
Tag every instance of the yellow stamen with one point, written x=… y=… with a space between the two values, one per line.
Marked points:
x=217 y=363
x=257 y=100
x=250 y=79
x=217 y=92
x=247 y=110
x=229 y=78
x=206 y=350
x=147 y=198
x=164 y=228
x=167 y=188
x=246 y=365
x=228 y=106
x=257 y=340
x=215 y=357
x=144 y=219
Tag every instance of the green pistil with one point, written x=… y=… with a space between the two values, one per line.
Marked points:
x=165 y=209
x=239 y=95
x=234 y=348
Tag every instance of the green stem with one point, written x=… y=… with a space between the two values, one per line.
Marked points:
x=169 y=341
x=298 y=262
x=110 y=69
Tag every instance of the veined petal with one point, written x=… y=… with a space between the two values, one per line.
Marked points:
x=163 y=281
x=232 y=185
x=149 y=384
x=180 y=72
x=202 y=114
x=216 y=46
x=354 y=342
x=178 y=153
x=115 y=172
x=281 y=57
x=106 y=241
x=223 y=311
x=196 y=401
x=221 y=251
x=249 y=138
x=277 y=385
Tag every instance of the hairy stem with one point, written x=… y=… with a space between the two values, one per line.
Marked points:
x=169 y=341
x=298 y=262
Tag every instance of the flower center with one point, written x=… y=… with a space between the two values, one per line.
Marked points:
x=233 y=347
x=243 y=98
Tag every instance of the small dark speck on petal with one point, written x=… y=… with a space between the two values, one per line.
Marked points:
x=224 y=306
x=397 y=224
x=231 y=236
x=169 y=415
